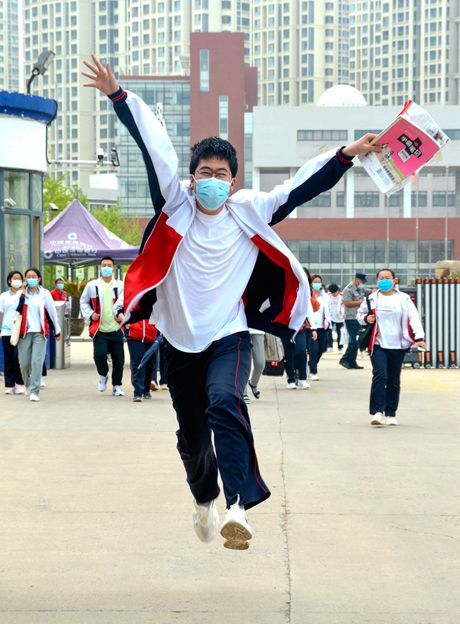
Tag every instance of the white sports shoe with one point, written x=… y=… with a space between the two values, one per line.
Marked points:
x=34 y=397
x=102 y=383
x=392 y=420
x=379 y=420
x=42 y=383
x=117 y=391
x=205 y=520
x=291 y=386
x=302 y=384
x=235 y=529
x=314 y=377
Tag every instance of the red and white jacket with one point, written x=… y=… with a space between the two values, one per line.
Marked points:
x=277 y=295
x=141 y=330
x=48 y=315
x=411 y=325
x=91 y=301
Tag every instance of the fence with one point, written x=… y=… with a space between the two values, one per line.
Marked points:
x=438 y=302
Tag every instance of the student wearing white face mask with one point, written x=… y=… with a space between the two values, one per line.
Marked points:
x=322 y=320
x=396 y=328
x=8 y=304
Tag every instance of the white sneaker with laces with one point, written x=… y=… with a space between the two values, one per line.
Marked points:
x=392 y=420
x=291 y=386
x=379 y=420
x=19 y=389
x=34 y=397
x=235 y=529
x=102 y=383
x=117 y=391
x=303 y=384
x=9 y=391
x=314 y=377
x=205 y=520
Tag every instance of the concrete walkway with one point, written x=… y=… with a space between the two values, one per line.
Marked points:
x=363 y=526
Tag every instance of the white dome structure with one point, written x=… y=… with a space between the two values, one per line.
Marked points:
x=342 y=95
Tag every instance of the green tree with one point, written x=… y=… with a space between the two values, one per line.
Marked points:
x=126 y=228
x=56 y=192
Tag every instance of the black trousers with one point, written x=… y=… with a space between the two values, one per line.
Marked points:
x=140 y=377
x=316 y=348
x=113 y=343
x=207 y=393
x=11 y=364
x=295 y=356
x=386 y=380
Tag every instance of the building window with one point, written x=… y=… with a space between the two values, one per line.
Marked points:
x=322 y=135
x=223 y=116
x=204 y=70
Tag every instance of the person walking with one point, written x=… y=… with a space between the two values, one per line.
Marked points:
x=96 y=304
x=258 y=363
x=141 y=336
x=58 y=293
x=322 y=322
x=337 y=312
x=38 y=316
x=210 y=267
x=353 y=295
x=396 y=328
x=9 y=300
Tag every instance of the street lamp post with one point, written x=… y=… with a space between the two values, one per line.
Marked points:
x=40 y=67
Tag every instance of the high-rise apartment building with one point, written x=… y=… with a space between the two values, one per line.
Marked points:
x=73 y=29
x=11 y=70
x=402 y=49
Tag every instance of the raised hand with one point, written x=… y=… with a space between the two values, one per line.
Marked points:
x=362 y=145
x=102 y=77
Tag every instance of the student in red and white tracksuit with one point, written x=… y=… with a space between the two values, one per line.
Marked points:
x=396 y=327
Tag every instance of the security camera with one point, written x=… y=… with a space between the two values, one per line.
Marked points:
x=114 y=157
x=53 y=206
x=100 y=155
x=9 y=202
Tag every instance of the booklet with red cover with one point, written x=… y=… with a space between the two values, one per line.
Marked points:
x=407 y=144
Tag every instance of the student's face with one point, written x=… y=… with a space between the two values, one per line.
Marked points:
x=107 y=263
x=385 y=275
x=32 y=274
x=15 y=276
x=213 y=167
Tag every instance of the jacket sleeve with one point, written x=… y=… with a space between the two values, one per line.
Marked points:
x=363 y=312
x=316 y=176
x=119 y=305
x=51 y=309
x=85 y=307
x=157 y=150
x=415 y=322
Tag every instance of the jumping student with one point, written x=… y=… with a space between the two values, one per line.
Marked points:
x=210 y=267
x=396 y=327
x=96 y=304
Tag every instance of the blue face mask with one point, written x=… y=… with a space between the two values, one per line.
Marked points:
x=317 y=286
x=107 y=271
x=212 y=193
x=361 y=286
x=385 y=285
x=32 y=282
x=60 y=286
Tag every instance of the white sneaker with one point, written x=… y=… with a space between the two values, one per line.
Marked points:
x=9 y=390
x=246 y=398
x=314 y=377
x=379 y=420
x=102 y=383
x=392 y=420
x=34 y=397
x=153 y=386
x=19 y=389
x=291 y=386
x=235 y=529
x=302 y=384
x=205 y=520
x=117 y=391
x=42 y=384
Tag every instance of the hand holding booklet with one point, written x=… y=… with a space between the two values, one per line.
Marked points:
x=407 y=144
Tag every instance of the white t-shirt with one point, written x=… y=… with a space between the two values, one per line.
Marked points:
x=35 y=301
x=200 y=299
x=8 y=304
x=336 y=308
x=389 y=318
x=319 y=317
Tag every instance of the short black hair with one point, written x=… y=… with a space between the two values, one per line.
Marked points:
x=107 y=258
x=333 y=288
x=9 y=277
x=35 y=270
x=385 y=269
x=214 y=147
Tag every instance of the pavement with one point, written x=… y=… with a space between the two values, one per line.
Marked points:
x=363 y=526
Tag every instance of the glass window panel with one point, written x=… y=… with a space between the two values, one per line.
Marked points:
x=16 y=190
x=17 y=242
x=36 y=192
